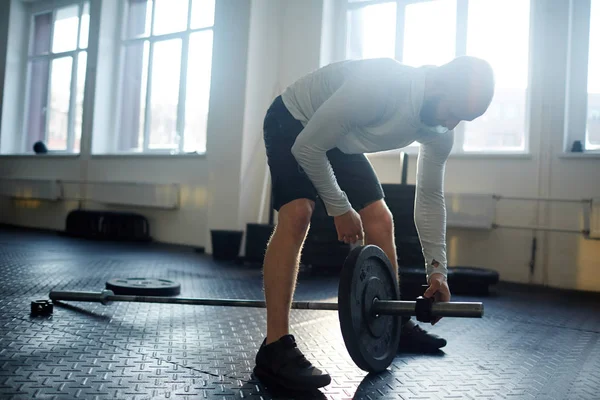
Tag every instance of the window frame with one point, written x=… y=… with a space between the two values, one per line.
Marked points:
x=462 y=8
x=40 y=9
x=122 y=42
x=576 y=94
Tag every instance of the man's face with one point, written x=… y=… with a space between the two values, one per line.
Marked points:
x=447 y=111
x=438 y=111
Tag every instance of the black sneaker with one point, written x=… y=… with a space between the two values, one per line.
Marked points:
x=282 y=364
x=414 y=339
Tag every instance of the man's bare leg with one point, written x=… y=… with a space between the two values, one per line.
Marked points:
x=378 y=225
x=280 y=363
x=281 y=264
x=379 y=230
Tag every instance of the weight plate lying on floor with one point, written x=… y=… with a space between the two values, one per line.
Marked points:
x=144 y=286
x=372 y=341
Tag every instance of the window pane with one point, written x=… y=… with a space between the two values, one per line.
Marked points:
x=502 y=128
x=65 y=29
x=60 y=95
x=133 y=96
x=372 y=31
x=85 y=26
x=198 y=91
x=170 y=16
x=37 y=102
x=81 y=67
x=593 y=114
x=424 y=45
x=139 y=17
x=41 y=34
x=164 y=94
x=203 y=13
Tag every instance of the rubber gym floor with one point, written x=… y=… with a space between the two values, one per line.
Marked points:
x=531 y=343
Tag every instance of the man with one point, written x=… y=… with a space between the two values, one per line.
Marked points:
x=316 y=134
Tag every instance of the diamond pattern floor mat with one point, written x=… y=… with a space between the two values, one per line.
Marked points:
x=531 y=344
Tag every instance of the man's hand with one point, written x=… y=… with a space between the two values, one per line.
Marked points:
x=439 y=290
x=349 y=227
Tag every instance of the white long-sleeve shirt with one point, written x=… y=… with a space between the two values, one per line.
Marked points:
x=367 y=106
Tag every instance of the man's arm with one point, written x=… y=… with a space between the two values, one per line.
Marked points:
x=430 y=207
x=349 y=106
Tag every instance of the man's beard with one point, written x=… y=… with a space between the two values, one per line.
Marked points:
x=428 y=115
x=428 y=111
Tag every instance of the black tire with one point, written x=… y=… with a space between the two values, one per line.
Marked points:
x=412 y=273
x=462 y=281
x=473 y=275
x=412 y=280
x=472 y=281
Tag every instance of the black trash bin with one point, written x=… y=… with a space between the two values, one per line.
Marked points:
x=226 y=244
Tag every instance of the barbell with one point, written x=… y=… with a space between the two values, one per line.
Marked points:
x=368 y=307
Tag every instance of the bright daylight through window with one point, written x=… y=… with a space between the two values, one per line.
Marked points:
x=426 y=32
x=165 y=76
x=56 y=75
x=592 y=140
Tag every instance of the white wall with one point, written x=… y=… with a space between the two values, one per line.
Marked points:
x=570 y=260
x=329 y=18
x=285 y=42
x=263 y=45
x=300 y=39
x=262 y=86
x=107 y=73
x=13 y=72
x=4 y=30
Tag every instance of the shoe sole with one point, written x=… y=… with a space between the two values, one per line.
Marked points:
x=269 y=379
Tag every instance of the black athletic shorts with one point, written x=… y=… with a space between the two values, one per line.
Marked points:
x=354 y=172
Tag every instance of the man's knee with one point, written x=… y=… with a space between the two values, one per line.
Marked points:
x=295 y=217
x=377 y=219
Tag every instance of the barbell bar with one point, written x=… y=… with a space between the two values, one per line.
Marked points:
x=380 y=307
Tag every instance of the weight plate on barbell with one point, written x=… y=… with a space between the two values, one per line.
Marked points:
x=372 y=341
x=144 y=287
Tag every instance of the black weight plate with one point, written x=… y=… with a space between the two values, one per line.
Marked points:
x=144 y=287
x=372 y=341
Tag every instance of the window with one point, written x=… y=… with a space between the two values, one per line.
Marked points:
x=503 y=126
x=164 y=85
x=372 y=31
x=423 y=45
x=56 y=66
x=592 y=137
x=582 y=122
x=433 y=32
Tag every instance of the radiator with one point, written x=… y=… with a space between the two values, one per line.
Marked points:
x=163 y=196
x=470 y=210
x=595 y=219
x=30 y=189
